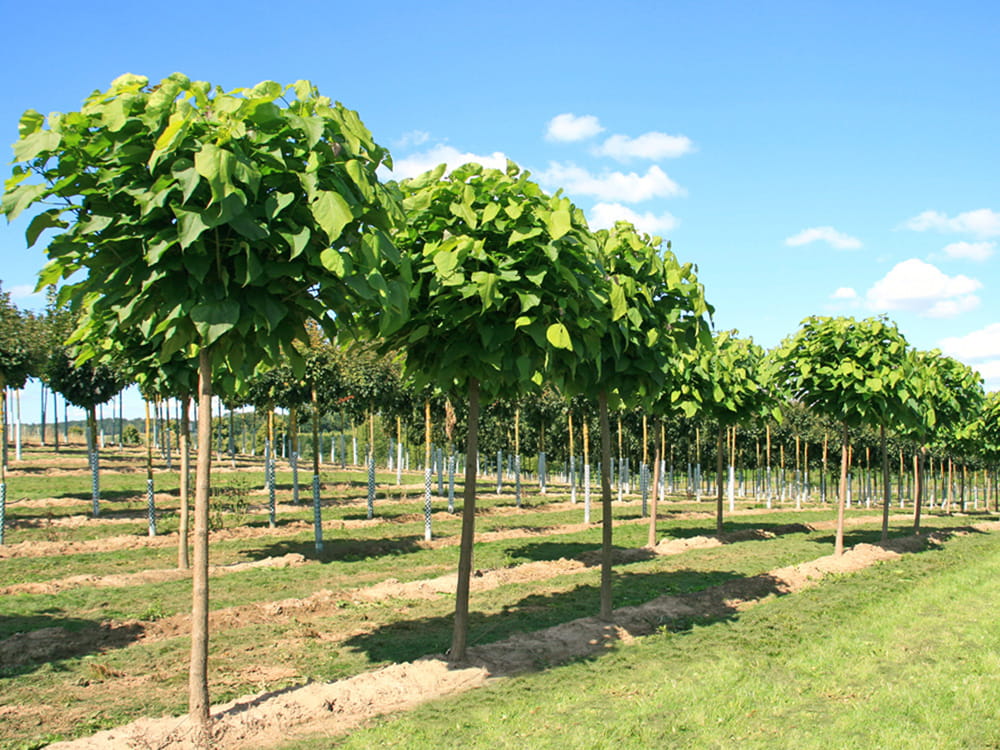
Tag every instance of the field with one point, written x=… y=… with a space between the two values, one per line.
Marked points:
x=755 y=638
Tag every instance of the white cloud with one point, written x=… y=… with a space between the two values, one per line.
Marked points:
x=568 y=127
x=25 y=293
x=949 y=308
x=604 y=216
x=416 y=164
x=991 y=374
x=970 y=250
x=829 y=235
x=647 y=146
x=981 y=344
x=982 y=222
x=412 y=139
x=919 y=287
x=611 y=187
x=844 y=292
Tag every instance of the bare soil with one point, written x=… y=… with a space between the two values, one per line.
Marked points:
x=268 y=718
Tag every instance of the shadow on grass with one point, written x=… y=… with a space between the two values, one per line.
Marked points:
x=406 y=640
x=29 y=642
x=338 y=549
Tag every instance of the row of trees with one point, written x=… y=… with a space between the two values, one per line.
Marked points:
x=208 y=239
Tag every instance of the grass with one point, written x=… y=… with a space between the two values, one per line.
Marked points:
x=255 y=646
x=899 y=655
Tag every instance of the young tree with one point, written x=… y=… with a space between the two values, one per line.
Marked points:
x=852 y=371
x=85 y=384
x=214 y=223
x=15 y=366
x=645 y=311
x=735 y=391
x=501 y=273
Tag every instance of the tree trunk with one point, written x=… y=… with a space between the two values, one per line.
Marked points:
x=198 y=676
x=653 y=508
x=606 y=522
x=460 y=636
x=838 y=547
x=94 y=455
x=887 y=497
x=185 y=484
x=317 y=510
x=150 y=495
x=719 y=458
x=919 y=492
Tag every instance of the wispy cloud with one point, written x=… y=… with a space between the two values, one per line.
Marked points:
x=982 y=222
x=418 y=163
x=978 y=251
x=610 y=187
x=922 y=288
x=829 y=235
x=844 y=293
x=652 y=146
x=568 y=127
x=412 y=139
x=974 y=346
x=604 y=216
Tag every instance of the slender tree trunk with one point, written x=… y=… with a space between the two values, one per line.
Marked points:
x=842 y=499
x=150 y=496
x=719 y=465
x=919 y=492
x=606 y=522
x=317 y=509
x=460 y=636
x=183 y=561
x=653 y=507
x=94 y=455
x=55 y=420
x=198 y=701
x=887 y=497
x=3 y=427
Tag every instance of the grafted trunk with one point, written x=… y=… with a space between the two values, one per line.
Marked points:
x=198 y=702
x=460 y=636
x=887 y=496
x=185 y=484
x=719 y=465
x=606 y=522
x=838 y=547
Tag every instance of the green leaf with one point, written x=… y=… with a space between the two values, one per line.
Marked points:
x=45 y=220
x=30 y=146
x=216 y=165
x=558 y=335
x=559 y=223
x=445 y=261
x=213 y=319
x=30 y=122
x=332 y=213
x=619 y=305
x=333 y=262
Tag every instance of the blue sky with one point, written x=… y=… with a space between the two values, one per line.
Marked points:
x=810 y=158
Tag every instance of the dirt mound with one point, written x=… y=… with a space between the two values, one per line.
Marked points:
x=333 y=708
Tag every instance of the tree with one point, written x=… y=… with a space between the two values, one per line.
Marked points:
x=501 y=272
x=848 y=370
x=85 y=384
x=15 y=366
x=212 y=223
x=735 y=391
x=646 y=309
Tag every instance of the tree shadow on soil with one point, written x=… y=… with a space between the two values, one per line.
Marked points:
x=406 y=640
x=32 y=641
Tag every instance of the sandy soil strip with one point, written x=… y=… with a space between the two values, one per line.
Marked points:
x=334 y=708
